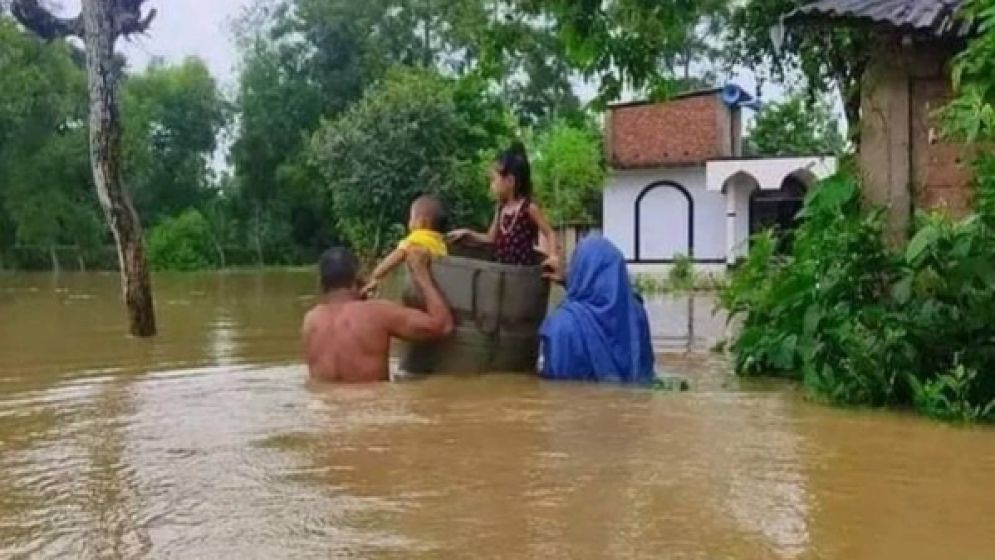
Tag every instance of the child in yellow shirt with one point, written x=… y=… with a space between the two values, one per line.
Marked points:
x=425 y=225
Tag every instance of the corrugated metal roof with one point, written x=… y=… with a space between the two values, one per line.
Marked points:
x=936 y=17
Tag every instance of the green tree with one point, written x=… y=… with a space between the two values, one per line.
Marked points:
x=44 y=166
x=48 y=196
x=274 y=181
x=413 y=133
x=305 y=61
x=570 y=173
x=970 y=117
x=301 y=63
x=524 y=56
x=830 y=58
x=173 y=115
x=795 y=126
x=99 y=24
x=182 y=243
x=635 y=44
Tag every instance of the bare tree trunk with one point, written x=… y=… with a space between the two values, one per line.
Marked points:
x=851 y=108
x=258 y=236
x=219 y=249
x=427 y=59
x=222 y=262
x=100 y=23
x=105 y=157
x=53 y=255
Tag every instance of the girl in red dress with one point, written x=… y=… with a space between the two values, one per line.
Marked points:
x=518 y=222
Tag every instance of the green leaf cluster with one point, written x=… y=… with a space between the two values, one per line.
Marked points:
x=795 y=126
x=569 y=170
x=182 y=243
x=414 y=133
x=861 y=324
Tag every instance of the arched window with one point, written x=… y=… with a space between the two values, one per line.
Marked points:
x=778 y=209
x=670 y=221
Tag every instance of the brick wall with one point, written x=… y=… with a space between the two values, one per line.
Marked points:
x=942 y=178
x=686 y=130
x=905 y=162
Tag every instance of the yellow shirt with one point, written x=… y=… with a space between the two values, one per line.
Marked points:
x=431 y=241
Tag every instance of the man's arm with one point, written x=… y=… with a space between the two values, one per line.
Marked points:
x=413 y=324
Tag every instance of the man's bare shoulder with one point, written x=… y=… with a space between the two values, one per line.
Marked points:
x=368 y=315
x=378 y=307
x=371 y=308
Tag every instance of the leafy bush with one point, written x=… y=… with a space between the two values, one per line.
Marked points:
x=863 y=325
x=681 y=275
x=796 y=126
x=414 y=133
x=182 y=243
x=569 y=173
x=681 y=278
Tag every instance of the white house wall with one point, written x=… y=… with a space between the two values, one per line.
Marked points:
x=742 y=199
x=663 y=219
x=768 y=172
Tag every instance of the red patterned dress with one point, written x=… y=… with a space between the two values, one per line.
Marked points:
x=517 y=237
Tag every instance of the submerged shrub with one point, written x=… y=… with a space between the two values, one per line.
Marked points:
x=182 y=243
x=860 y=324
x=864 y=325
x=949 y=396
x=681 y=275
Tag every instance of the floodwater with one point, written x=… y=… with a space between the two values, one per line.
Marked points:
x=208 y=442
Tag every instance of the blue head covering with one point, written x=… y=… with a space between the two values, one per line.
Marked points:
x=600 y=332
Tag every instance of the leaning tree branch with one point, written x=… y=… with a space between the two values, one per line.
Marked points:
x=129 y=19
x=43 y=22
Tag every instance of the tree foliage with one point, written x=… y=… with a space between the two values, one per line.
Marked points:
x=830 y=58
x=569 y=170
x=632 y=44
x=414 y=133
x=173 y=115
x=795 y=126
x=971 y=115
x=45 y=185
x=861 y=324
x=182 y=243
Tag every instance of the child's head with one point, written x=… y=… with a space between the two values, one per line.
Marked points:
x=427 y=213
x=511 y=175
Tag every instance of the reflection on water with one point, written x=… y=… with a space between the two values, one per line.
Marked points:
x=209 y=442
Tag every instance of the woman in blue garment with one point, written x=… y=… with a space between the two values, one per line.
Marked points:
x=600 y=332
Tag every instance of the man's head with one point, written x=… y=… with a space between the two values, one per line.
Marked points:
x=339 y=270
x=427 y=213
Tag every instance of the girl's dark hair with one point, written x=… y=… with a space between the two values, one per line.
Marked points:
x=515 y=162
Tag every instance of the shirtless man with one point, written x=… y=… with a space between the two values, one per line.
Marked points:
x=347 y=339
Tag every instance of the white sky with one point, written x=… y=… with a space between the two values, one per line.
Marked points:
x=203 y=28
x=183 y=28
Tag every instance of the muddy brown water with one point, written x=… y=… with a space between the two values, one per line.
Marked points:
x=208 y=442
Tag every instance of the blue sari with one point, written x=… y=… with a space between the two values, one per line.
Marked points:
x=600 y=332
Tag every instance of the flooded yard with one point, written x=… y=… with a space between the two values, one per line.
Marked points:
x=209 y=442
